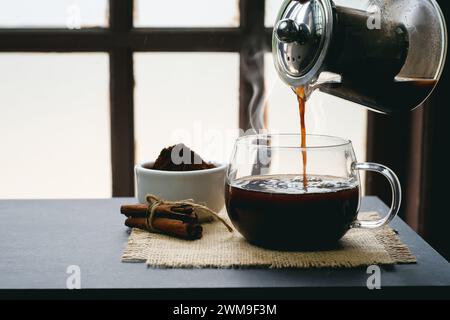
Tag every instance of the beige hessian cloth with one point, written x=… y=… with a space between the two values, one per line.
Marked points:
x=221 y=249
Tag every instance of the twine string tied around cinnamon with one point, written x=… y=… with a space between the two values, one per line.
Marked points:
x=199 y=209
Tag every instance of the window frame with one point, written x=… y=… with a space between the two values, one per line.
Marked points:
x=120 y=39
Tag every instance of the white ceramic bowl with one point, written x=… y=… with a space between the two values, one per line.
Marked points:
x=206 y=186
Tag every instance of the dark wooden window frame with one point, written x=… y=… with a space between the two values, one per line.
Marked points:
x=120 y=39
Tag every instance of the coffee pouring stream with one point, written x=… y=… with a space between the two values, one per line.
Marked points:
x=387 y=55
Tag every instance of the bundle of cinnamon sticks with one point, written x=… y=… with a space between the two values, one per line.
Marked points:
x=177 y=219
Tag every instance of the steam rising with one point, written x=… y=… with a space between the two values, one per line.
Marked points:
x=253 y=73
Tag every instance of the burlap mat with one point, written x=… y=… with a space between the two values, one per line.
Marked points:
x=221 y=249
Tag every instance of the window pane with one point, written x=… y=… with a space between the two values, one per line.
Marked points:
x=181 y=13
x=272 y=7
x=54 y=126
x=71 y=14
x=186 y=97
x=325 y=114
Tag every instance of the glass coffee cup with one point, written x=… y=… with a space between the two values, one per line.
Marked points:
x=284 y=197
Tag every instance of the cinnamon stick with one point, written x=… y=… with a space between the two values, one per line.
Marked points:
x=140 y=223
x=181 y=212
x=189 y=231
x=177 y=220
x=134 y=210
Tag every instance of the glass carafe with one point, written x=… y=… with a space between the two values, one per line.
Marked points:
x=387 y=55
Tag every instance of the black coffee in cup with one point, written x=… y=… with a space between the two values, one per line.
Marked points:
x=276 y=212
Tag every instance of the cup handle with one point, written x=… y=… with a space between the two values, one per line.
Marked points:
x=396 y=194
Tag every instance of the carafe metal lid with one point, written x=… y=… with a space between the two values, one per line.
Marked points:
x=300 y=40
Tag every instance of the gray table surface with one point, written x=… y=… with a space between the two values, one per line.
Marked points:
x=41 y=238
